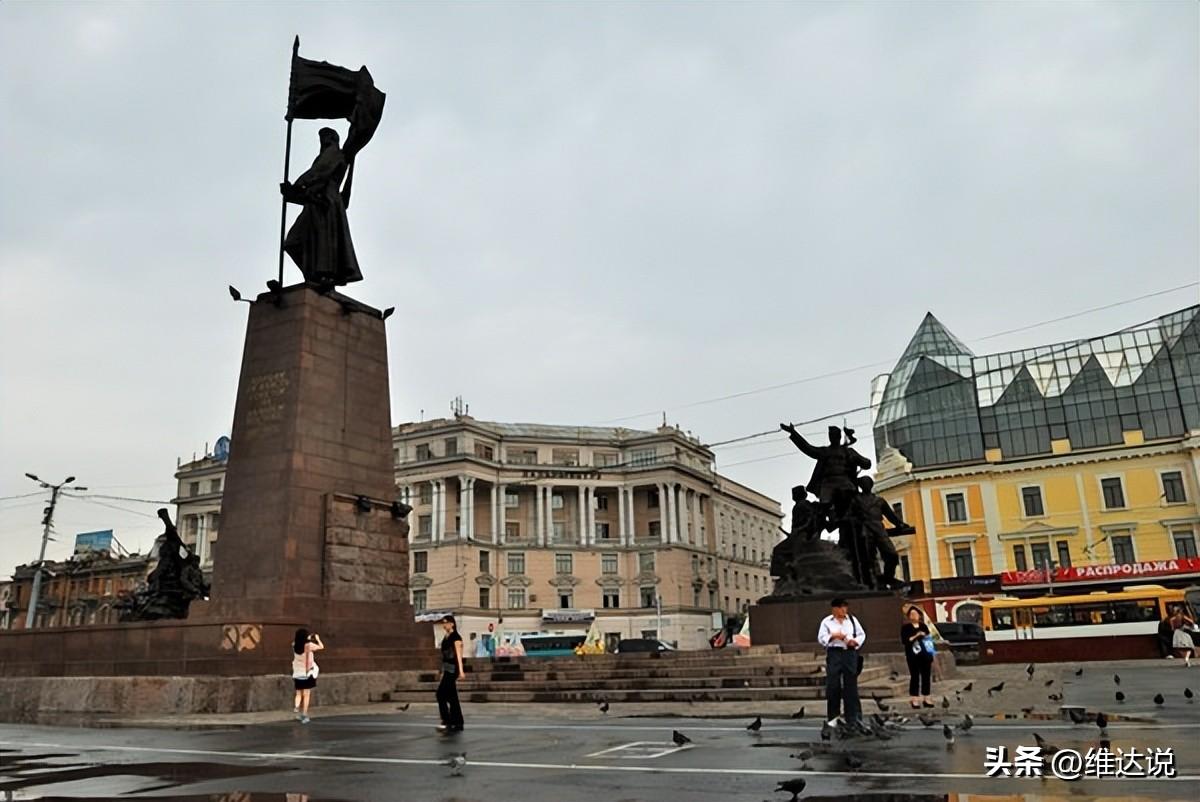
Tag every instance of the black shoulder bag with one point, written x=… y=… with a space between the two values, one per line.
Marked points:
x=858 y=668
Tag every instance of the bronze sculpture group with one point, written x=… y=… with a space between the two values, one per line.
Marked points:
x=864 y=557
x=175 y=582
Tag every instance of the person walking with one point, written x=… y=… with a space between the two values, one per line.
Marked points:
x=920 y=659
x=842 y=636
x=1181 y=637
x=304 y=671
x=452 y=673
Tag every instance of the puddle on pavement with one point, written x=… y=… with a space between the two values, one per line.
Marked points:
x=28 y=771
x=233 y=796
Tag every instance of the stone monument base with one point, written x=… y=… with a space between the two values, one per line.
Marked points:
x=792 y=623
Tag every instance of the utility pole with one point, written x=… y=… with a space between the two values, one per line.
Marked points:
x=47 y=523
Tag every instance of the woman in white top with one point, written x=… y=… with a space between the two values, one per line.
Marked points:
x=304 y=670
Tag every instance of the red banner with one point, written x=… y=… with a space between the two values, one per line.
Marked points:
x=1094 y=573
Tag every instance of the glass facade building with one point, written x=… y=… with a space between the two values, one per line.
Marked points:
x=942 y=405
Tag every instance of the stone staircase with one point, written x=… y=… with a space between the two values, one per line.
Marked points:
x=756 y=674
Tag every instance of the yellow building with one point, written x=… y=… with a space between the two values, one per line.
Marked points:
x=1038 y=466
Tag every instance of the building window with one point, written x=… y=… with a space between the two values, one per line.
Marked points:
x=485 y=598
x=726 y=572
x=695 y=597
x=484 y=451
x=1031 y=500
x=1122 y=549
x=695 y=563
x=523 y=456
x=612 y=599
x=485 y=562
x=646 y=562
x=516 y=598
x=652 y=499
x=605 y=459
x=1172 y=483
x=956 y=510
x=756 y=583
x=899 y=509
x=1019 y=558
x=558 y=531
x=1114 y=493
x=564 y=601
x=423 y=452
x=215 y=485
x=563 y=564
x=753 y=555
x=516 y=563
x=602 y=531
x=643 y=456
x=964 y=564
x=655 y=529
x=905 y=571
x=511 y=500
x=600 y=502
x=395 y=456
x=648 y=597
x=712 y=599
x=451 y=446
x=556 y=501
x=425 y=492
x=608 y=564
x=419 y=599
x=1185 y=542
x=1064 y=553
x=1041 y=555
x=512 y=530
x=425 y=525
x=420 y=562
x=193 y=488
x=565 y=456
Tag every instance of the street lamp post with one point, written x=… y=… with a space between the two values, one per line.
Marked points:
x=47 y=522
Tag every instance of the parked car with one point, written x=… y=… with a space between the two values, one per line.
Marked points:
x=631 y=645
x=960 y=633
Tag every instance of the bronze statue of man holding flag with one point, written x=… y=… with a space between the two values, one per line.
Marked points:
x=319 y=241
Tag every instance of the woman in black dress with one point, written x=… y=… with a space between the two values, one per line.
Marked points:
x=920 y=661
x=452 y=672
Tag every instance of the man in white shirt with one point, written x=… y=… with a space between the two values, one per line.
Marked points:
x=842 y=636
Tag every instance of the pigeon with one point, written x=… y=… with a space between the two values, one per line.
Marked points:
x=1102 y=723
x=826 y=732
x=883 y=706
x=1049 y=682
x=793 y=787
x=679 y=738
x=966 y=724
x=803 y=754
x=878 y=719
x=403 y=707
x=945 y=703
x=1158 y=699
x=1027 y=710
x=995 y=689
x=799 y=713
x=925 y=720
x=895 y=675
x=1055 y=697
x=818 y=670
x=603 y=705
x=969 y=686
x=948 y=734
x=1117 y=678
x=1077 y=716
x=770 y=670
x=1029 y=670
x=1045 y=746
x=853 y=762
x=1120 y=697
x=1079 y=673
x=1187 y=694
x=880 y=731
x=456 y=764
x=756 y=725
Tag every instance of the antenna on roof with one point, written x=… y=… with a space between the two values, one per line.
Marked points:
x=664 y=423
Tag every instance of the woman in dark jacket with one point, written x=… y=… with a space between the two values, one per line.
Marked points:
x=452 y=673
x=920 y=661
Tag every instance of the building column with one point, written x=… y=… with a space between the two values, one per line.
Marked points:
x=622 y=529
x=439 y=521
x=471 y=508
x=493 y=516
x=672 y=515
x=462 y=507
x=632 y=530
x=501 y=514
x=582 y=515
x=685 y=531
x=696 y=521
x=539 y=535
x=662 y=512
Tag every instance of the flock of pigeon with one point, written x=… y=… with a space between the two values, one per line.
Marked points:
x=887 y=724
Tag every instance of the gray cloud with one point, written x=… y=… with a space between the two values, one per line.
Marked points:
x=581 y=211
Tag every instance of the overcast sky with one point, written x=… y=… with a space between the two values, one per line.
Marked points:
x=583 y=212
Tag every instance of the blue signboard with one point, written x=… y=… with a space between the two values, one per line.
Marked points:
x=221 y=449
x=94 y=541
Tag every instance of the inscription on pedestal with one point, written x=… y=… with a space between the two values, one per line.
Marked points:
x=265 y=399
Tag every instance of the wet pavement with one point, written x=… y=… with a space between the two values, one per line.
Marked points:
x=576 y=754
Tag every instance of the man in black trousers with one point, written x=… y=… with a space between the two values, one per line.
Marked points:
x=842 y=636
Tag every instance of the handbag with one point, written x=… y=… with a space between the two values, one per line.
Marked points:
x=859 y=659
x=313 y=669
x=928 y=646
